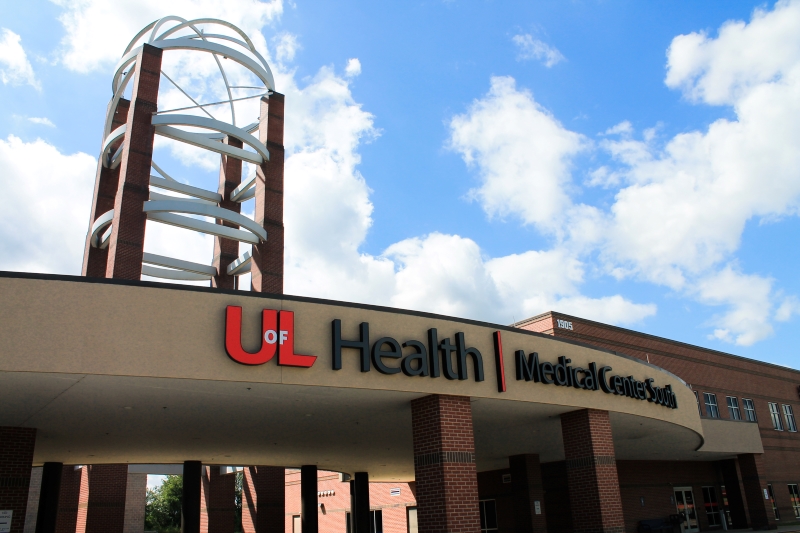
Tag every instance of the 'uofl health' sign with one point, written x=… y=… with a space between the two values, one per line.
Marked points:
x=432 y=358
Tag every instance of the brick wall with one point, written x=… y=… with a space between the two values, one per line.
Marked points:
x=217 y=501
x=226 y=251
x=491 y=487
x=335 y=496
x=33 y=499
x=108 y=486
x=707 y=371
x=73 y=499
x=444 y=464
x=556 y=496
x=263 y=499
x=135 y=501
x=592 y=472
x=16 y=456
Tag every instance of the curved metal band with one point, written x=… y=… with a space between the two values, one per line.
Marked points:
x=213 y=125
x=178 y=264
x=242 y=192
x=202 y=226
x=182 y=188
x=110 y=139
x=201 y=141
x=179 y=275
x=241 y=265
x=213 y=211
x=99 y=225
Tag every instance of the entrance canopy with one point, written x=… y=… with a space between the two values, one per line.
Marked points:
x=116 y=372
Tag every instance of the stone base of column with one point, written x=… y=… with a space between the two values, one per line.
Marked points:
x=263 y=499
x=595 y=499
x=16 y=450
x=444 y=465
x=759 y=507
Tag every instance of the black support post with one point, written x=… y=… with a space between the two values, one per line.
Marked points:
x=308 y=499
x=48 y=498
x=192 y=473
x=361 y=497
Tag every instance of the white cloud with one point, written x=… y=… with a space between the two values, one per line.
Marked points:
x=44 y=206
x=353 y=67
x=530 y=48
x=522 y=154
x=97 y=31
x=286 y=46
x=15 y=69
x=42 y=121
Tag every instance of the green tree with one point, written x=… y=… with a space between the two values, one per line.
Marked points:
x=163 y=506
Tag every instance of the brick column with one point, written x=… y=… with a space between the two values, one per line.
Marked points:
x=592 y=472
x=73 y=500
x=105 y=193
x=49 y=494
x=227 y=250
x=444 y=465
x=108 y=485
x=526 y=486
x=34 y=491
x=217 y=501
x=135 y=501
x=267 y=264
x=759 y=507
x=126 y=244
x=16 y=458
x=263 y=499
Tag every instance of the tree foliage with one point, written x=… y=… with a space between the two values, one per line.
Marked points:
x=163 y=506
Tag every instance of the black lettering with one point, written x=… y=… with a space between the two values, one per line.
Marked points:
x=590 y=381
x=628 y=386
x=447 y=350
x=361 y=344
x=546 y=369
x=527 y=370
x=462 y=353
x=601 y=379
x=433 y=351
x=617 y=385
x=378 y=352
x=576 y=382
x=648 y=384
x=561 y=377
x=421 y=356
x=640 y=390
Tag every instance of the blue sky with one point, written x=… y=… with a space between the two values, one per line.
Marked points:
x=633 y=163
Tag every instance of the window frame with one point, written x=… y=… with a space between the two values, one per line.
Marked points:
x=775 y=510
x=711 y=508
x=775 y=415
x=734 y=413
x=788 y=414
x=697 y=398
x=794 y=499
x=484 y=525
x=712 y=408
x=749 y=408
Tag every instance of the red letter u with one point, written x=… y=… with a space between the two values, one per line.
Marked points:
x=233 y=337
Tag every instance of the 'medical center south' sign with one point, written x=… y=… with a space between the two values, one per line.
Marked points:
x=433 y=357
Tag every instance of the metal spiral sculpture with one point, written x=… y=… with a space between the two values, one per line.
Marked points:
x=175 y=33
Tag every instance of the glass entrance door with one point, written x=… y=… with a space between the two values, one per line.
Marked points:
x=684 y=501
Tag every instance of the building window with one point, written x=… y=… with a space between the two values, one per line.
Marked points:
x=297 y=525
x=788 y=414
x=711 y=405
x=411 y=520
x=697 y=397
x=725 y=507
x=772 y=501
x=777 y=423
x=733 y=408
x=376 y=521
x=749 y=410
x=488 y=516
x=794 y=496
x=712 y=506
